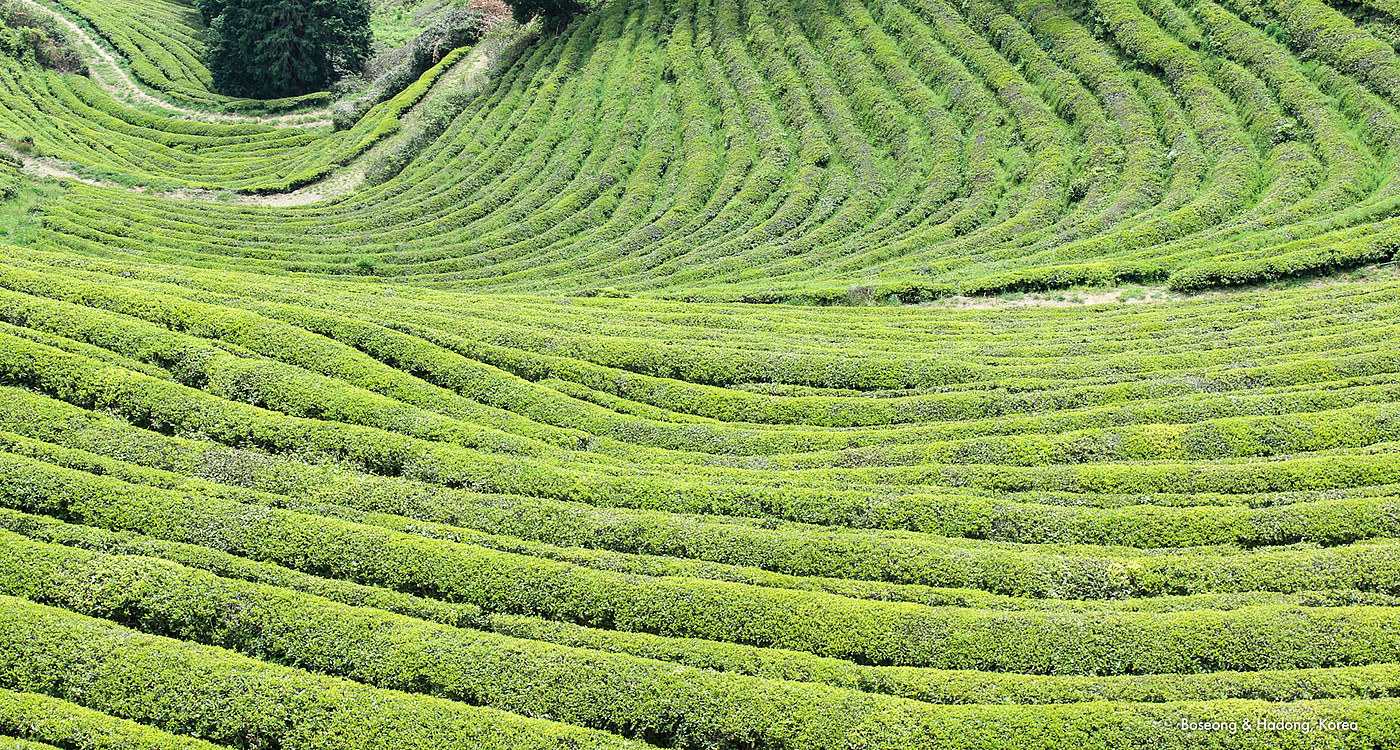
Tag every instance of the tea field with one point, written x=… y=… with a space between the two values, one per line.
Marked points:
x=712 y=374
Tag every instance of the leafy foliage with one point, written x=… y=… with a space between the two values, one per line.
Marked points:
x=454 y=28
x=279 y=48
x=497 y=451
x=10 y=179
x=553 y=13
x=33 y=36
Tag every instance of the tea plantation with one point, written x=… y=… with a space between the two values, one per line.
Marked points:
x=711 y=374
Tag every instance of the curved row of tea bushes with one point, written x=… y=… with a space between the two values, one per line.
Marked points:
x=29 y=721
x=162 y=44
x=254 y=381
x=231 y=566
x=718 y=525
x=39 y=643
x=585 y=331
x=152 y=403
x=812 y=621
x=984 y=562
x=1064 y=572
x=236 y=701
x=663 y=703
x=70 y=119
x=936 y=686
x=1140 y=177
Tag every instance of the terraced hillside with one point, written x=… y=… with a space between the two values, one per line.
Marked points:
x=762 y=151
x=408 y=468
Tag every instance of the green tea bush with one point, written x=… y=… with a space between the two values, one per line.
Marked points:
x=237 y=701
x=706 y=375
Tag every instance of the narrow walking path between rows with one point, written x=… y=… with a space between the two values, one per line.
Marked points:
x=106 y=70
x=470 y=72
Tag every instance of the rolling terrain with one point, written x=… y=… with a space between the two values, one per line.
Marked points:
x=461 y=425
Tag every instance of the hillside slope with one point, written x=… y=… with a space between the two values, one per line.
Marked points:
x=406 y=469
x=771 y=150
x=694 y=525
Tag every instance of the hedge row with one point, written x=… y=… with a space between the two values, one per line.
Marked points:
x=29 y=721
x=240 y=702
x=979 y=565
x=226 y=565
x=924 y=684
x=663 y=703
x=165 y=51
x=604 y=560
x=736 y=406
x=160 y=405
x=292 y=391
x=482 y=383
x=1270 y=330
x=815 y=159
x=256 y=333
x=73 y=120
x=248 y=703
x=1061 y=572
x=60 y=116
x=9 y=743
x=878 y=632
x=262 y=382
x=929 y=685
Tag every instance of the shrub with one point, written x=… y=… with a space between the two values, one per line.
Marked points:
x=34 y=36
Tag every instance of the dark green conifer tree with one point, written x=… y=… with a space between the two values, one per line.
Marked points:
x=554 y=13
x=276 y=48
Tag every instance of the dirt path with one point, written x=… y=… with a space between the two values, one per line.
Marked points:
x=344 y=182
x=1131 y=295
x=107 y=72
x=469 y=72
x=1060 y=299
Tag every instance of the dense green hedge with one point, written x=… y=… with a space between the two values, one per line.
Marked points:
x=840 y=561
x=72 y=119
x=721 y=525
x=827 y=153
x=692 y=708
x=11 y=181
x=9 y=743
x=240 y=702
x=158 y=679
x=891 y=633
x=231 y=566
x=42 y=722
x=161 y=405
x=1080 y=572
